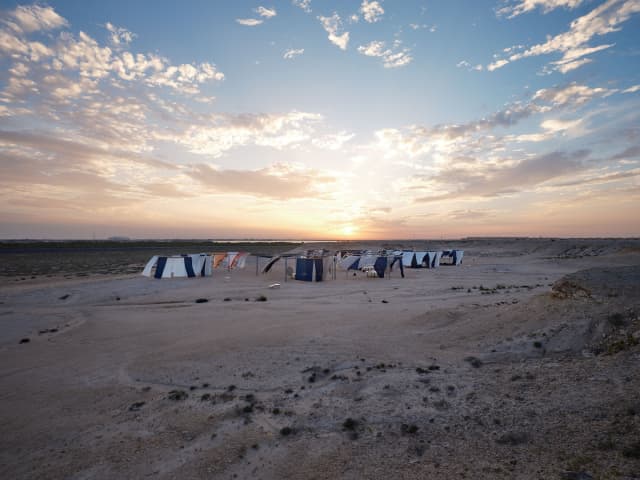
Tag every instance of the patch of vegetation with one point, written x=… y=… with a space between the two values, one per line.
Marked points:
x=177 y=395
x=513 y=438
x=623 y=344
x=632 y=451
x=617 y=319
x=349 y=424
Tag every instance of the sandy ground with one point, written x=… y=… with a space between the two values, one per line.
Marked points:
x=511 y=365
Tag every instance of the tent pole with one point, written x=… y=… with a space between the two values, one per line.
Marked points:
x=334 y=267
x=285 y=269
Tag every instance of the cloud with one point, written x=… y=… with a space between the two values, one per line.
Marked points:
x=265 y=12
x=293 y=53
x=303 y=4
x=78 y=63
x=279 y=181
x=222 y=133
x=261 y=11
x=632 y=89
x=573 y=44
x=469 y=67
x=496 y=180
x=572 y=94
x=333 y=141
x=418 y=147
x=371 y=10
x=497 y=64
x=391 y=57
x=249 y=22
x=35 y=18
x=519 y=7
x=332 y=26
x=119 y=36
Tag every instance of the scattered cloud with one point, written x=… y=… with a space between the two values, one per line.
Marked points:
x=572 y=94
x=391 y=57
x=332 y=26
x=278 y=181
x=496 y=180
x=466 y=65
x=518 y=7
x=632 y=89
x=293 y=53
x=372 y=11
x=265 y=12
x=418 y=26
x=119 y=36
x=573 y=44
x=249 y=22
x=332 y=142
x=33 y=18
x=303 y=4
x=218 y=134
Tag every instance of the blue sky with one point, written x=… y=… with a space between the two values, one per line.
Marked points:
x=372 y=119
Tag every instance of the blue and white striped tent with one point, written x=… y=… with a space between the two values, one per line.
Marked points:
x=192 y=265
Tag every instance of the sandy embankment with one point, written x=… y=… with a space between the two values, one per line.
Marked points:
x=446 y=379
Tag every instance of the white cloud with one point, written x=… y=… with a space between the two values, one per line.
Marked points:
x=333 y=142
x=632 y=89
x=119 y=36
x=391 y=57
x=222 y=133
x=572 y=65
x=555 y=125
x=418 y=26
x=303 y=4
x=469 y=67
x=332 y=26
x=497 y=64
x=571 y=95
x=523 y=6
x=573 y=44
x=265 y=12
x=292 y=53
x=249 y=22
x=35 y=18
x=372 y=11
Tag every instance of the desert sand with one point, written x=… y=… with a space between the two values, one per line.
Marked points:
x=523 y=363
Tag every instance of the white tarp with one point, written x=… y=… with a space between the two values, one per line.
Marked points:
x=149 y=266
x=367 y=261
x=436 y=261
x=174 y=268
x=407 y=258
x=420 y=257
x=347 y=261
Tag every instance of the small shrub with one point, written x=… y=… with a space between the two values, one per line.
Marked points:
x=617 y=320
x=177 y=395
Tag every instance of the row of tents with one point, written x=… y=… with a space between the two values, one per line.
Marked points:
x=317 y=266
x=311 y=266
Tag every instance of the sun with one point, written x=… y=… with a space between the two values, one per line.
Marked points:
x=348 y=230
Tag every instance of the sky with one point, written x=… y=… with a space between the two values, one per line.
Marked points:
x=319 y=119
